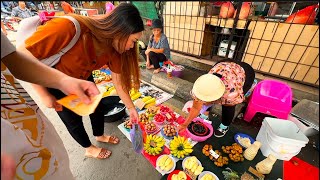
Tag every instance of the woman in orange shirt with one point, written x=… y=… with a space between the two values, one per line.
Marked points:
x=105 y=40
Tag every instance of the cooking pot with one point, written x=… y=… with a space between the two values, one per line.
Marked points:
x=110 y=113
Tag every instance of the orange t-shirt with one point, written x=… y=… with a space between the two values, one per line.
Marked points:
x=81 y=59
x=67 y=8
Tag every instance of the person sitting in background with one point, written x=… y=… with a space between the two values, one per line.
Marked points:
x=67 y=8
x=21 y=12
x=158 y=49
x=225 y=84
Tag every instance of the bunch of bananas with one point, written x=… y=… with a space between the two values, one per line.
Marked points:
x=180 y=147
x=149 y=101
x=110 y=91
x=154 y=144
x=134 y=94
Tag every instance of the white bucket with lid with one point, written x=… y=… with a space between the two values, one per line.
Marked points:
x=281 y=138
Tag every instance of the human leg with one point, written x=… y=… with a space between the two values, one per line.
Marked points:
x=227 y=117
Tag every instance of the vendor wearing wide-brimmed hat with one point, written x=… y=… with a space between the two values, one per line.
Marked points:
x=225 y=84
x=158 y=49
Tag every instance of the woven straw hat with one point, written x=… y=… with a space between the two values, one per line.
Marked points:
x=208 y=88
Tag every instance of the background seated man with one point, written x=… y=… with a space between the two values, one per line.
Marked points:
x=21 y=12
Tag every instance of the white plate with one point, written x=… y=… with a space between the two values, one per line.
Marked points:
x=185 y=161
x=166 y=172
x=207 y=172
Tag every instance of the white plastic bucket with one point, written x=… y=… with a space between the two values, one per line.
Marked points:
x=281 y=138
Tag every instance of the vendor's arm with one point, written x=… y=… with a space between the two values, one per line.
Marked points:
x=194 y=112
x=125 y=97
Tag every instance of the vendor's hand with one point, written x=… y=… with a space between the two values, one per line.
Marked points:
x=83 y=89
x=8 y=167
x=134 y=116
x=182 y=127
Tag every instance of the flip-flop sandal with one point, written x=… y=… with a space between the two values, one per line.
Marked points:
x=104 y=154
x=113 y=140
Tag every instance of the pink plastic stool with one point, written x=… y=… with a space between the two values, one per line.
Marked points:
x=270 y=97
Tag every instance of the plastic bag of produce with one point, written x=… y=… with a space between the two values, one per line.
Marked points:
x=136 y=138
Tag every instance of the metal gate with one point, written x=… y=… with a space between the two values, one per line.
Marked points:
x=255 y=33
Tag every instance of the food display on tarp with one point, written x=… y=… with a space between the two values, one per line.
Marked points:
x=164 y=146
x=154 y=144
x=102 y=75
x=165 y=164
x=169 y=131
x=180 y=147
x=128 y=124
x=192 y=166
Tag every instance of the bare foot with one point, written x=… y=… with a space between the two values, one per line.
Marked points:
x=108 y=139
x=156 y=71
x=96 y=152
x=150 y=67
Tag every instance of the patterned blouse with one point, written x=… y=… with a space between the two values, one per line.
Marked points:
x=233 y=76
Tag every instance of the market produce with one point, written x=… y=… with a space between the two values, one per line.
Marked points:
x=180 y=147
x=165 y=163
x=198 y=128
x=128 y=124
x=152 y=110
x=220 y=161
x=192 y=166
x=235 y=152
x=208 y=177
x=164 y=109
x=159 y=118
x=150 y=126
x=149 y=101
x=100 y=76
x=180 y=176
x=169 y=130
x=252 y=150
x=143 y=118
x=246 y=176
x=245 y=142
x=304 y=16
x=226 y=10
x=110 y=91
x=146 y=98
x=171 y=116
x=134 y=94
x=154 y=144
x=206 y=149
x=230 y=174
